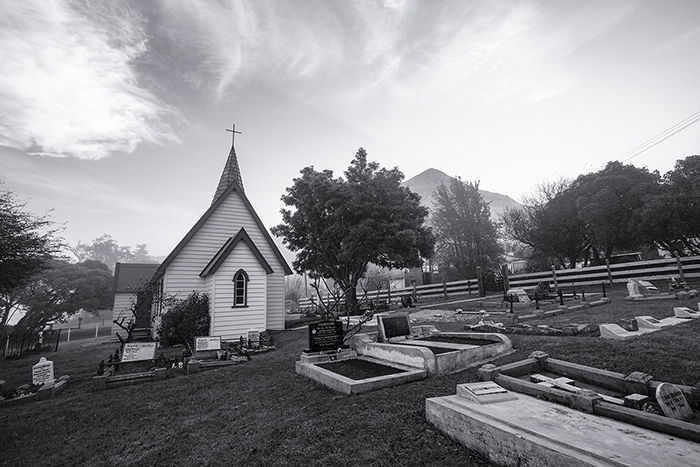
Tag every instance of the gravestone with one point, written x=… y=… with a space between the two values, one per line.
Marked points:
x=207 y=343
x=685 y=312
x=206 y=347
x=615 y=331
x=254 y=338
x=486 y=392
x=520 y=294
x=393 y=325
x=646 y=288
x=633 y=288
x=42 y=372
x=138 y=351
x=672 y=402
x=648 y=322
x=325 y=335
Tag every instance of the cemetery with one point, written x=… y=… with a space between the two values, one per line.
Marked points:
x=266 y=395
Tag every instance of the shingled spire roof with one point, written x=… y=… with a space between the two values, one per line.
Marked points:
x=231 y=174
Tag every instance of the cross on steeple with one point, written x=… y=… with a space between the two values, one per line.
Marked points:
x=233 y=133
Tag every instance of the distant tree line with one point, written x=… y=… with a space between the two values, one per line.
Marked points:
x=618 y=209
x=36 y=280
x=106 y=250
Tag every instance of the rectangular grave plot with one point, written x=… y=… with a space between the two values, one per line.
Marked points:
x=396 y=326
x=207 y=343
x=138 y=351
x=358 y=369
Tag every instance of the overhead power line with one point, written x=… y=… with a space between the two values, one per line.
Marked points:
x=663 y=136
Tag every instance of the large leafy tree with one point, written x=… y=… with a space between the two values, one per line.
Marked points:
x=672 y=217
x=549 y=224
x=62 y=290
x=27 y=245
x=611 y=203
x=341 y=225
x=466 y=236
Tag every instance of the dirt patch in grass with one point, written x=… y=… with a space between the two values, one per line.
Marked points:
x=358 y=369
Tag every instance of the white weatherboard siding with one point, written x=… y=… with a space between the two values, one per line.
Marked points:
x=122 y=307
x=182 y=275
x=275 y=299
x=229 y=322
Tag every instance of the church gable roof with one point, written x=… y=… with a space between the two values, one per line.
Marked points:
x=227 y=248
x=202 y=220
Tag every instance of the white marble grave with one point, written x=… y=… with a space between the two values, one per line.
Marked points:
x=685 y=312
x=42 y=372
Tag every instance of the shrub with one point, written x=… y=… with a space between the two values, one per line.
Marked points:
x=185 y=319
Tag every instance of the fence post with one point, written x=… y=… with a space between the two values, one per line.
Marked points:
x=537 y=301
x=388 y=291
x=607 y=266
x=604 y=295
x=469 y=289
x=511 y=303
x=554 y=275
x=97 y=328
x=480 y=281
x=444 y=289
x=506 y=281
x=68 y=335
x=680 y=268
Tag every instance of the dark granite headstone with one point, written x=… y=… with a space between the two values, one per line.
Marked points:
x=396 y=326
x=325 y=335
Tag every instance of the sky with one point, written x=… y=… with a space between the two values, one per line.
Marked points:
x=113 y=114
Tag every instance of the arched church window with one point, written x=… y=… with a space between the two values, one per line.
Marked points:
x=240 y=288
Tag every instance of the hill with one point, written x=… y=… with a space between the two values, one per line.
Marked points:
x=425 y=183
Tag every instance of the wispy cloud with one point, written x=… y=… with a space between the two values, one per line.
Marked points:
x=351 y=51
x=68 y=85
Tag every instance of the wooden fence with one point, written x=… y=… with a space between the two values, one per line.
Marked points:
x=661 y=269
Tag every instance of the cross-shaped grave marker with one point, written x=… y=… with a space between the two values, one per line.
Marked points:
x=567 y=384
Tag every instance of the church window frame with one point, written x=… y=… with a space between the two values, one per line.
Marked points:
x=240 y=289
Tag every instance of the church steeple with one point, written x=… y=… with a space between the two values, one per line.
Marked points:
x=231 y=173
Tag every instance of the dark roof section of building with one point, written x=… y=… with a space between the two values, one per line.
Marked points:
x=231 y=174
x=129 y=277
x=233 y=187
x=222 y=254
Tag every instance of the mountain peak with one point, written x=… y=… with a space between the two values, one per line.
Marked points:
x=426 y=182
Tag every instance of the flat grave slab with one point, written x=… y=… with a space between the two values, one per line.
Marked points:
x=685 y=312
x=548 y=434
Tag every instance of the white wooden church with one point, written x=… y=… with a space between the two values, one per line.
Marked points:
x=227 y=254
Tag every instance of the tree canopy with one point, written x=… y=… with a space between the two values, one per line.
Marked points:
x=27 y=243
x=106 y=250
x=62 y=290
x=341 y=225
x=466 y=236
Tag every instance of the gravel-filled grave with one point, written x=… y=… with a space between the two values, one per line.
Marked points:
x=359 y=369
x=458 y=340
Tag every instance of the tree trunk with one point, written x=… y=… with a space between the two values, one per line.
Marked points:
x=351 y=298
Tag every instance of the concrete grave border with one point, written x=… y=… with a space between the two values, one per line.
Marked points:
x=507 y=376
x=349 y=386
x=47 y=391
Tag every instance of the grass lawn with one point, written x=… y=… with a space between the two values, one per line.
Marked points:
x=262 y=413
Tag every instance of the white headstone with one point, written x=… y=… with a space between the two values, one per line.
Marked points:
x=254 y=337
x=648 y=322
x=615 y=331
x=633 y=288
x=137 y=351
x=647 y=287
x=685 y=312
x=42 y=372
x=486 y=392
x=672 y=402
x=207 y=343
